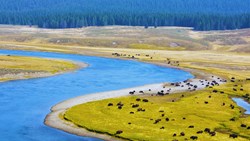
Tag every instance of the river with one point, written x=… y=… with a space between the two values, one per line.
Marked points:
x=25 y=103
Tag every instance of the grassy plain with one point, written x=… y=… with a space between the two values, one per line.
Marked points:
x=214 y=115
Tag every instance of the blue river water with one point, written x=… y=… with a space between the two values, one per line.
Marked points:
x=25 y=103
x=242 y=103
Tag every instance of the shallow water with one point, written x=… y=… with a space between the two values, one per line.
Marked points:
x=25 y=103
x=242 y=103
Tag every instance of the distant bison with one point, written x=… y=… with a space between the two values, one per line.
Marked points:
x=141 y=92
x=199 y=132
x=119 y=132
x=110 y=104
x=207 y=130
x=243 y=125
x=212 y=133
x=135 y=105
x=233 y=136
x=182 y=134
x=194 y=137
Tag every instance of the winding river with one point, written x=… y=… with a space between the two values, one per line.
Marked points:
x=25 y=103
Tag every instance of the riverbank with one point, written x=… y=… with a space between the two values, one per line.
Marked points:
x=55 y=118
x=19 y=67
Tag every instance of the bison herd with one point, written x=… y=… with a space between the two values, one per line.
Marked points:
x=192 y=87
x=167 y=119
x=167 y=61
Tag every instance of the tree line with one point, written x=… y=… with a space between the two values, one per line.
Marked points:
x=201 y=15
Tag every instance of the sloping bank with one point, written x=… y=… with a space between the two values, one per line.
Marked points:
x=56 y=120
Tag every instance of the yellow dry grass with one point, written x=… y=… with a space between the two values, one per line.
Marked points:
x=12 y=66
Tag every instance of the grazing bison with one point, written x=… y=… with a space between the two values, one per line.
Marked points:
x=119 y=104
x=194 y=137
x=160 y=93
x=139 y=109
x=141 y=92
x=232 y=119
x=138 y=99
x=135 y=105
x=131 y=112
x=243 y=125
x=199 y=132
x=174 y=135
x=212 y=133
x=119 y=107
x=233 y=136
x=162 y=127
x=167 y=119
x=215 y=91
x=207 y=130
x=132 y=92
x=110 y=104
x=157 y=120
x=191 y=126
x=145 y=100
x=119 y=132
x=182 y=134
x=205 y=102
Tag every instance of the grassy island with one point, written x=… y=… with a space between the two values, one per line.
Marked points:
x=19 y=67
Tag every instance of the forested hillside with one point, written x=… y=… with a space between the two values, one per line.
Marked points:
x=200 y=14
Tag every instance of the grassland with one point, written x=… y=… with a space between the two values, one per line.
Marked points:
x=222 y=53
x=19 y=67
x=189 y=105
x=109 y=120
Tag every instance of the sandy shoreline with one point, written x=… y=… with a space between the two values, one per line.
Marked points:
x=53 y=119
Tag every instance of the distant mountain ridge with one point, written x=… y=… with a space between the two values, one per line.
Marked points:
x=199 y=14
